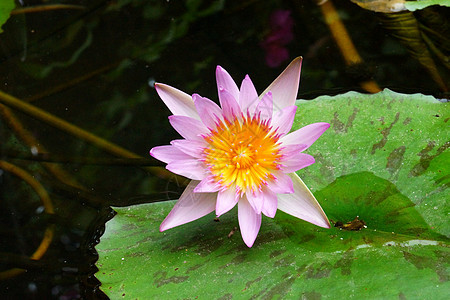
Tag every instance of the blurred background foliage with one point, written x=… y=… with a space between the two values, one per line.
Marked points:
x=93 y=63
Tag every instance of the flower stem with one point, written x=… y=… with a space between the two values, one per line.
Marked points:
x=344 y=42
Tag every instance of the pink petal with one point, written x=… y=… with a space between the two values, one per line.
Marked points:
x=226 y=200
x=302 y=204
x=189 y=207
x=248 y=97
x=209 y=111
x=190 y=129
x=289 y=151
x=190 y=168
x=178 y=102
x=225 y=81
x=282 y=184
x=265 y=107
x=270 y=203
x=168 y=154
x=256 y=200
x=249 y=221
x=207 y=185
x=285 y=87
x=306 y=135
x=229 y=104
x=297 y=162
x=190 y=147
x=282 y=119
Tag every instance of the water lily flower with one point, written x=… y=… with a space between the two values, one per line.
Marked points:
x=241 y=152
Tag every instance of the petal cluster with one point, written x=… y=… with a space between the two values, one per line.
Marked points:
x=240 y=152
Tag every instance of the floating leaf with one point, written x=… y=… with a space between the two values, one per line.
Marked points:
x=6 y=6
x=391 y=6
x=414 y=35
x=421 y=4
x=385 y=160
x=384 y=6
x=401 y=138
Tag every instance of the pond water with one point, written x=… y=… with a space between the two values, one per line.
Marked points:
x=93 y=64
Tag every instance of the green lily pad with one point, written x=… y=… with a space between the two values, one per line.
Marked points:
x=404 y=139
x=383 y=164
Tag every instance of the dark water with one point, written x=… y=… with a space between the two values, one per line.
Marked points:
x=94 y=66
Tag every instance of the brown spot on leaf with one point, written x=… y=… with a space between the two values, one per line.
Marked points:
x=319 y=272
x=312 y=295
x=276 y=253
x=193 y=268
x=285 y=261
x=161 y=278
x=425 y=158
x=227 y=296
x=345 y=263
x=237 y=260
x=407 y=121
x=438 y=263
x=281 y=289
x=395 y=159
x=340 y=127
x=249 y=283
x=326 y=166
x=385 y=132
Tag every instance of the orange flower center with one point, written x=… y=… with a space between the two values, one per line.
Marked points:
x=243 y=152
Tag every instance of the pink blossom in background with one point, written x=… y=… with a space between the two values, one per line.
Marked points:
x=281 y=34
x=241 y=153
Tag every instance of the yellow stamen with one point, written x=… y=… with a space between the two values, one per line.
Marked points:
x=244 y=152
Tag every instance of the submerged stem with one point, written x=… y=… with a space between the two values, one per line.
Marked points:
x=76 y=131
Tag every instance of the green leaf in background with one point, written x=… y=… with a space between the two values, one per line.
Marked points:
x=6 y=6
x=383 y=164
x=421 y=4
x=392 y=6
x=384 y=6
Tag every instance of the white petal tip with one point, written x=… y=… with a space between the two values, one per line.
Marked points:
x=162 y=228
x=220 y=69
x=249 y=244
x=270 y=215
x=324 y=223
